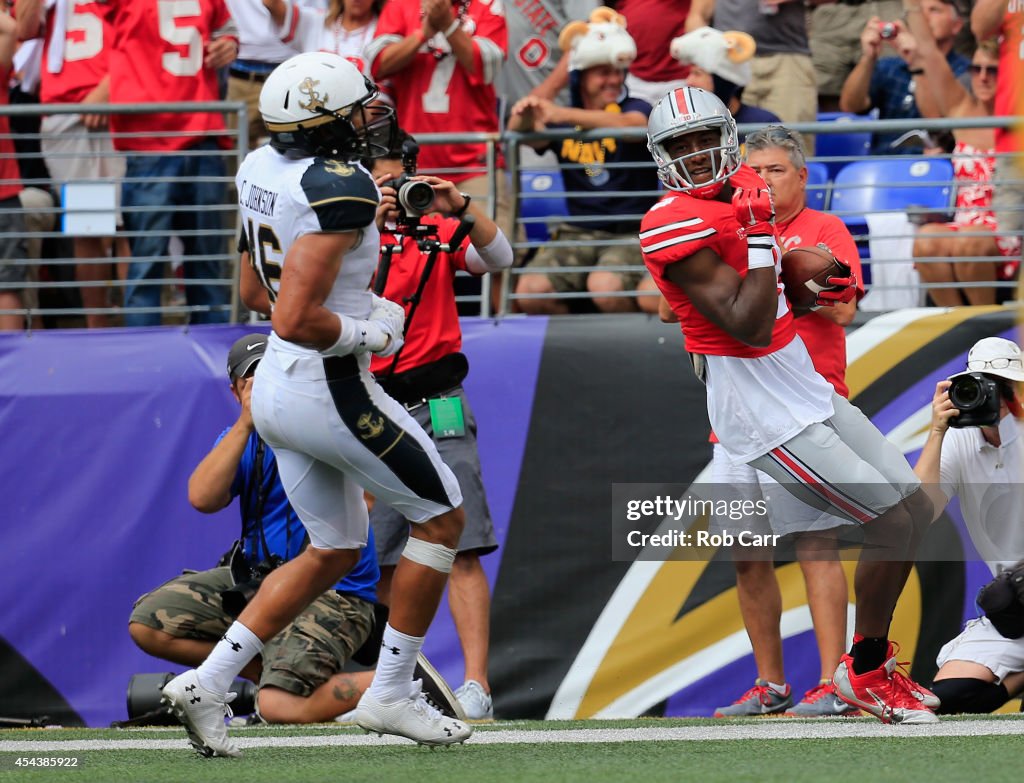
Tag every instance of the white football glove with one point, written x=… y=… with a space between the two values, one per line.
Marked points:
x=389 y=318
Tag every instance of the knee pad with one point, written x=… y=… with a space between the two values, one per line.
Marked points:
x=969 y=695
x=436 y=556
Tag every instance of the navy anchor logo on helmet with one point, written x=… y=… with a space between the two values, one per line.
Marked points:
x=308 y=87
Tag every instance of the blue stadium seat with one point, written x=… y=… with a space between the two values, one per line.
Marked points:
x=846 y=145
x=536 y=201
x=882 y=185
x=818 y=187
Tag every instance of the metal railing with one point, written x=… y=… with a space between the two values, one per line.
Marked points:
x=52 y=284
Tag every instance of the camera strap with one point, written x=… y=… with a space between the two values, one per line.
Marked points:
x=261 y=498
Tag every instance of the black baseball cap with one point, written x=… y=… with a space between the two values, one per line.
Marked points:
x=244 y=354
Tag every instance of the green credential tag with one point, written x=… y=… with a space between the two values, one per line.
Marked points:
x=446 y=417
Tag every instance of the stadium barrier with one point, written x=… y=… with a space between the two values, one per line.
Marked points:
x=516 y=195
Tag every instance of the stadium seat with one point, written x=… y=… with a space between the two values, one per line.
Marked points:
x=542 y=195
x=841 y=145
x=818 y=186
x=882 y=185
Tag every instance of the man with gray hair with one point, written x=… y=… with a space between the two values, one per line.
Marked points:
x=777 y=154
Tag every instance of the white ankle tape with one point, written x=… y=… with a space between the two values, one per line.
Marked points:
x=436 y=556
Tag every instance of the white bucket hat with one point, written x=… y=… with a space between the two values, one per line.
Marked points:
x=996 y=356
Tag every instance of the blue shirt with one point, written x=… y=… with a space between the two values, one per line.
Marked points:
x=891 y=92
x=584 y=171
x=282 y=528
x=749 y=115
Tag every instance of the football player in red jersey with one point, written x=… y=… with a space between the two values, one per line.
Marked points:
x=711 y=246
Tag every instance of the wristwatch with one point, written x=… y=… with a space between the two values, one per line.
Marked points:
x=465 y=205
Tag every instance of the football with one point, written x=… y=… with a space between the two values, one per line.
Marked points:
x=804 y=271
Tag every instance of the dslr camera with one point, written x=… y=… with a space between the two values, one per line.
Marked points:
x=977 y=397
x=414 y=198
x=247 y=578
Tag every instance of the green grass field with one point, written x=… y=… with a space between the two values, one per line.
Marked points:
x=979 y=749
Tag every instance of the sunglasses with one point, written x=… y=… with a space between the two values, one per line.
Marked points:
x=994 y=364
x=986 y=70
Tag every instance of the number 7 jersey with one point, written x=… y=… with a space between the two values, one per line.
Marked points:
x=281 y=198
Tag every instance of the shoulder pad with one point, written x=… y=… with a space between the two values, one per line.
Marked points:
x=342 y=195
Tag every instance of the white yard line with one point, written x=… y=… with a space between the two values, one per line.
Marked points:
x=768 y=729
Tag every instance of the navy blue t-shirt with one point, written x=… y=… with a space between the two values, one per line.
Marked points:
x=754 y=114
x=282 y=528
x=597 y=178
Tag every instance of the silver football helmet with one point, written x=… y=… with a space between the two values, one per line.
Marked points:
x=318 y=103
x=683 y=111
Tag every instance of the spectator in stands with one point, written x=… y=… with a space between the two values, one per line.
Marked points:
x=602 y=231
x=890 y=84
x=536 y=64
x=777 y=154
x=720 y=63
x=74 y=70
x=653 y=24
x=443 y=60
x=974 y=232
x=1001 y=20
x=12 y=248
x=427 y=374
x=260 y=50
x=783 y=80
x=835 y=30
x=149 y=65
x=345 y=28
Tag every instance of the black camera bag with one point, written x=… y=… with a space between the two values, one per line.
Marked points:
x=1002 y=600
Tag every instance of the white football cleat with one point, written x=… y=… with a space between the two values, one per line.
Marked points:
x=202 y=713
x=413 y=718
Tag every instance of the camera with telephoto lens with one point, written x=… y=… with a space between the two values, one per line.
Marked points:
x=887 y=31
x=977 y=397
x=247 y=581
x=414 y=198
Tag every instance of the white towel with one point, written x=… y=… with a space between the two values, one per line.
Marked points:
x=891 y=242
x=27 y=64
x=58 y=36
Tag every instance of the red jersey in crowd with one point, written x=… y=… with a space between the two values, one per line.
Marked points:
x=825 y=339
x=83 y=62
x=157 y=57
x=653 y=24
x=434 y=331
x=10 y=177
x=677 y=227
x=1009 y=92
x=434 y=94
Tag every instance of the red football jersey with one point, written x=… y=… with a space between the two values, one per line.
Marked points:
x=434 y=331
x=87 y=43
x=10 y=176
x=825 y=339
x=677 y=227
x=1009 y=95
x=157 y=57
x=434 y=94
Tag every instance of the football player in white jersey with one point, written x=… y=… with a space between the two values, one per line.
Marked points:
x=309 y=247
x=711 y=246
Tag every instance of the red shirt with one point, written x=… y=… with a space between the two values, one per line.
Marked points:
x=677 y=227
x=435 y=94
x=825 y=339
x=1008 y=84
x=87 y=45
x=8 y=162
x=434 y=331
x=158 y=58
x=653 y=24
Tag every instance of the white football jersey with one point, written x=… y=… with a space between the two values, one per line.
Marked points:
x=282 y=198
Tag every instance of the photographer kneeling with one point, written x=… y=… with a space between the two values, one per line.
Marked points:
x=299 y=673
x=974 y=450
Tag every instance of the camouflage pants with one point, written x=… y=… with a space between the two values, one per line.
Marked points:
x=299 y=659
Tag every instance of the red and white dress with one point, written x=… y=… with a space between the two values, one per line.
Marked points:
x=974 y=170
